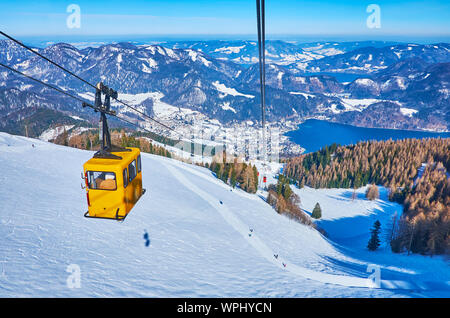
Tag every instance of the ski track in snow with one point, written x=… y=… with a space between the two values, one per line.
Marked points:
x=268 y=254
x=260 y=246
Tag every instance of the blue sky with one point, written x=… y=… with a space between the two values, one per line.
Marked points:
x=233 y=17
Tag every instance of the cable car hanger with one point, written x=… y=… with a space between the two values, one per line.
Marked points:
x=107 y=148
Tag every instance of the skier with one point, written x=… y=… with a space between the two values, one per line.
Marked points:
x=146 y=238
x=221 y=202
x=275 y=255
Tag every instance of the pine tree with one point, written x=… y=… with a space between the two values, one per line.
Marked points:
x=95 y=141
x=124 y=140
x=249 y=183
x=287 y=191
x=88 y=143
x=225 y=173
x=255 y=177
x=233 y=177
x=218 y=170
x=374 y=241
x=317 y=211
x=65 y=137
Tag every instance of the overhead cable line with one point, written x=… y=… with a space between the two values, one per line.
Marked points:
x=260 y=15
x=45 y=58
x=112 y=113
x=45 y=84
x=85 y=81
x=260 y=8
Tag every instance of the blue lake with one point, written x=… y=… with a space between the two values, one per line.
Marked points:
x=314 y=134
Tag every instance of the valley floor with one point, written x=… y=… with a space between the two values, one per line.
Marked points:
x=206 y=240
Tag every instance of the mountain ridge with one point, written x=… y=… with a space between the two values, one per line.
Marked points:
x=229 y=92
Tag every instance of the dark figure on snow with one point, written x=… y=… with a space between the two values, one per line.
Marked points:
x=147 y=239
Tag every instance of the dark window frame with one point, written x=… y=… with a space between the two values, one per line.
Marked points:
x=89 y=184
x=139 y=164
x=125 y=177
x=134 y=171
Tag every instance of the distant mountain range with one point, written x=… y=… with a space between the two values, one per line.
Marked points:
x=399 y=85
x=370 y=59
x=279 y=52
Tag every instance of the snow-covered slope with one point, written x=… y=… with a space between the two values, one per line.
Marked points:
x=198 y=246
x=347 y=221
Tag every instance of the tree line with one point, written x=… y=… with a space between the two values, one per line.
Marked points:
x=89 y=140
x=424 y=226
x=235 y=173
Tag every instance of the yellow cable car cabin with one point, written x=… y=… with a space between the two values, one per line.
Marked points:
x=113 y=176
x=113 y=186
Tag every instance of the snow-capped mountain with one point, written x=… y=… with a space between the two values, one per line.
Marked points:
x=279 y=52
x=280 y=77
x=187 y=78
x=419 y=89
x=184 y=76
x=11 y=53
x=369 y=60
x=361 y=57
x=246 y=52
x=188 y=236
x=334 y=48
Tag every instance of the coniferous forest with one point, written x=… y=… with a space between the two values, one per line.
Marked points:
x=235 y=173
x=89 y=140
x=416 y=172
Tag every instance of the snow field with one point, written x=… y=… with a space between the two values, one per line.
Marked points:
x=198 y=247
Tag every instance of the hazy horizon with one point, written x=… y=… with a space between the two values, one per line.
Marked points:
x=45 y=40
